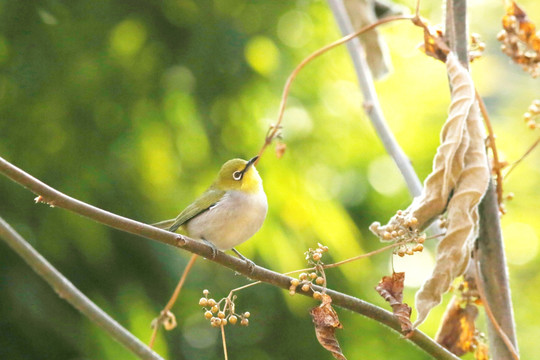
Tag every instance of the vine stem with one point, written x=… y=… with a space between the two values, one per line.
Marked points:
x=53 y=196
x=276 y=127
x=172 y=300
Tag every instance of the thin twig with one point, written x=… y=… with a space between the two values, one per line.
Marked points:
x=224 y=341
x=257 y=272
x=276 y=127
x=374 y=252
x=66 y=290
x=516 y=163
x=172 y=300
x=489 y=313
x=491 y=136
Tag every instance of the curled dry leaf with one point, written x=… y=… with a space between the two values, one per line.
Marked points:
x=457 y=183
x=391 y=289
x=458 y=332
x=326 y=322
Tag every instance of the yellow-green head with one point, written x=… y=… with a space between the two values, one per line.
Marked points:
x=241 y=175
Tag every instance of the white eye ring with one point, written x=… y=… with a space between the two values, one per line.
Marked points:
x=237 y=175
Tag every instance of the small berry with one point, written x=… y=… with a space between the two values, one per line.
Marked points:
x=401 y=232
x=203 y=302
x=211 y=302
x=399 y=212
x=510 y=196
x=295 y=282
x=414 y=221
x=386 y=235
x=313 y=275
x=325 y=248
x=421 y=239
x=418 y=247
x=292 y=292
x=317 y=295
x=205 y=292
x=302 y=276
x=247 y=314
x=215 y=322
x=393 y=234
x=223 y=322
x=401 y=253
x=244 y=322
x=531 y=124
x=305 y=288
x=214 y=309
x=317 y=256
x=221 y=315
x=319 y=280
x=208 y=314
x=233 y=319
x=409 y=252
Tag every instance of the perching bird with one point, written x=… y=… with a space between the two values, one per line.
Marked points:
x=229 y=212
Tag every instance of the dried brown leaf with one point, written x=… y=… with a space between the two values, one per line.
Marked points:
x=470 y=185
x=519 y=39
x=391 y=289
x=457 y=331
x=458 y=181
x=326 y=322
x=280 y=149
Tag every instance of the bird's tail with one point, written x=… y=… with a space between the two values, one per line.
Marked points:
x=165 y=224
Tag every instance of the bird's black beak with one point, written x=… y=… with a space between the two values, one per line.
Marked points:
x=249 y=164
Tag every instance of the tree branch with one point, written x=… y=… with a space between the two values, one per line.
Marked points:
x=371 y=101
x=66 y=290
x=56 y=198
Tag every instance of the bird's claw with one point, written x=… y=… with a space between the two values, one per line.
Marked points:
x=250 y=264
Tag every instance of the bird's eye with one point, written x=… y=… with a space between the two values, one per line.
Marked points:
x=237 y=175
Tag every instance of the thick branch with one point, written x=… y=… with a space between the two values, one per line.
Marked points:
x=59 y=199
x=66 y=290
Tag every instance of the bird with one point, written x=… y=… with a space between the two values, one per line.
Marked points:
x=229 y=212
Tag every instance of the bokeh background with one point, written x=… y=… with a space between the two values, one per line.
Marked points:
x=133 y=106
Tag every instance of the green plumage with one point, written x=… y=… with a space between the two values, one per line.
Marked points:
x=202 y=204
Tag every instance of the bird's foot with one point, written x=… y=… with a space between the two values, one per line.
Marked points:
x=250 y=264
x=214 y=249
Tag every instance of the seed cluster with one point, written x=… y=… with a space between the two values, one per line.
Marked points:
x=222 y=312
x=532 y=115
x=401 y=228
x=520 y=40
x=477 y=47
x=306 y=280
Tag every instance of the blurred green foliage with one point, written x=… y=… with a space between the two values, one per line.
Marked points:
x=133 y=106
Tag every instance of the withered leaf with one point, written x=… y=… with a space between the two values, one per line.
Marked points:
x=457 y=331
x=280 y=149
x=326 y=322
x=391 y=289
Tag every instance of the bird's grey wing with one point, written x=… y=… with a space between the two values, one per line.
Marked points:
x=202 y=204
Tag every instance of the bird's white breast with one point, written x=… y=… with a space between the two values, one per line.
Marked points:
x=233 y=220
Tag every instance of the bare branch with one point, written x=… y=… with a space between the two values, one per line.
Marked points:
x=59 y=199
x=66 y=290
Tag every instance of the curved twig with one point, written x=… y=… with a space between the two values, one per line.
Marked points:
x=276 y=127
